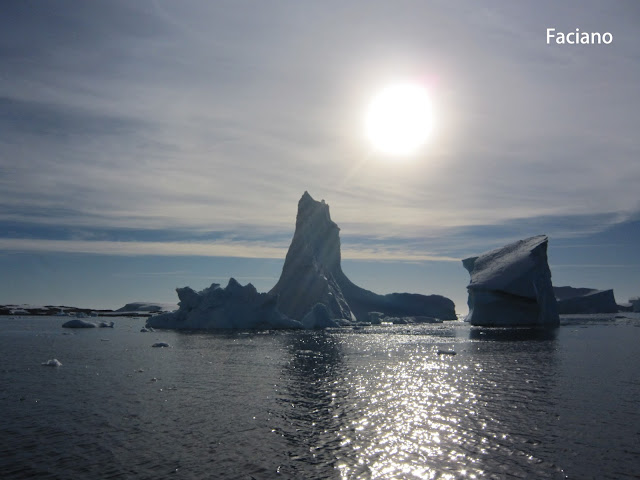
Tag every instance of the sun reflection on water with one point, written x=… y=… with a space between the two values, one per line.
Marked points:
x=390 y=407
x=408 y=423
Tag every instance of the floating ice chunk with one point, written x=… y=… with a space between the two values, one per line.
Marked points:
x=77 y=323
x=160 y=345
x=147 y=329
x=511 y=286
x=53 y=362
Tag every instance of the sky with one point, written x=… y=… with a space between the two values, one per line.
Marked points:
x=150 y=145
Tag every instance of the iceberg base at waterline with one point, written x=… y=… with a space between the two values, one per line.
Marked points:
x=235 y=306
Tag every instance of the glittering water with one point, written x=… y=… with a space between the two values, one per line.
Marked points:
x=377 y=402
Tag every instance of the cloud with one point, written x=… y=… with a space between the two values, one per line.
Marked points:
x=198 y=117
x=243 y=250
x=223 y=248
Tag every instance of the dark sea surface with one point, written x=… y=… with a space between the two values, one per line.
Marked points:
x=375 y=402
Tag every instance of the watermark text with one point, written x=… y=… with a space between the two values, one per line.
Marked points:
x=578 y=38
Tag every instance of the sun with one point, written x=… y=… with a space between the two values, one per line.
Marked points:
x=399 y=119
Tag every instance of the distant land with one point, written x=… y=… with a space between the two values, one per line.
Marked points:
x=134 y=309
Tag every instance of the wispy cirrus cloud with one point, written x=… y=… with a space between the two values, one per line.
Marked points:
x=197 y=117
x=237 y=248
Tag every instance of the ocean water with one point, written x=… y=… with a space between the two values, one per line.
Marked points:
x=378 y=402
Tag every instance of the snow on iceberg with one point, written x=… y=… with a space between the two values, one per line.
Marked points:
x=584 y=300
x=312 y=274
x=234 y=306
x=511 y=286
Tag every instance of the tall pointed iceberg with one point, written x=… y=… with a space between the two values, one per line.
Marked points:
x=312 y=274
x=312 y=292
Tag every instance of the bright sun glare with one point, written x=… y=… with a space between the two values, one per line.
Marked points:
x=398 y=120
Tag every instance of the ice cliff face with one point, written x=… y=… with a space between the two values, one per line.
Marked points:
x=584 y=300
x=234 y=306
x=312 y=274
x=511 y=286
x=311 y=271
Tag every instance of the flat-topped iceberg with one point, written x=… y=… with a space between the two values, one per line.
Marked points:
x=584 y=300
x=234 y=306
x=511 y=286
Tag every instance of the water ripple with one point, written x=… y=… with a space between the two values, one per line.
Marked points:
x=375 y=403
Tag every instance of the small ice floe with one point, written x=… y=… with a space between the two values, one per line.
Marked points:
x=77 y=323
x=446 y=352
x=53 y=362
x=147 y=329
x=160 y=345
